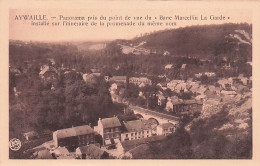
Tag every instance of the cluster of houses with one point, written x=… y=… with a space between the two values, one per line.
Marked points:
x=139 y=81
x=82 y=142
x=223 y=87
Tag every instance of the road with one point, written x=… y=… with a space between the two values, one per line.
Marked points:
x=160 y=115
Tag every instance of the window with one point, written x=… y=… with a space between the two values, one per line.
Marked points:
x=126 y=135
x=135 y=133
x=139 y=133
x=111 y=129
x=142 y=132
x=132 y=134
x=147 y=132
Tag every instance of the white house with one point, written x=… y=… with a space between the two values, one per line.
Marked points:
x=136 y=129
x=210 y=74
x=198 y=75
x=166 y=129
x=166 y=53
x=169 y=66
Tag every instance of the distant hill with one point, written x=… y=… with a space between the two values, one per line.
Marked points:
x=89 y=45
x=196 y=41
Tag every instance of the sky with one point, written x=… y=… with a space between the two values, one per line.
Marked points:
x=22 y=30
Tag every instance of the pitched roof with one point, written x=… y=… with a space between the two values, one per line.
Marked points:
x=137 y=125
x=183 y=66
x=46 y=68
x=168 y=66
x=180 y=101
x=140 y=79
x=110 y=122
x=74 y=131
x=30 y=134
x=118 y=78
x=92 y=151
x=160 y=96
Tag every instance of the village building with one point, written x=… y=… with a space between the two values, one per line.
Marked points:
x=166 y=129
x=228 y=92
x=140 y=80
x=109 y=128
x=162 y=85
x=226 y=83
x=30 y=135
x=141 y=85
x=136 y=129
x=194 y=86
x=48 y=73
x=169 y=66
x=179 y=106
x=113 y=87
x=198 y=75
x=89 y=78
x=200 y=97
x=210 y=74
x=183 y=66
x=161 y=100
x=201 y=90
x=169 y=103
x=166 y=53
x=116 y=79
x=171 y=85
x=74 y=137
x=243 y=79
x=227 y=66
x=91 y=152
x=181 y=87
x=51 y=60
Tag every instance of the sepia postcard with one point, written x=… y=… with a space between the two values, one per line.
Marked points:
x=130 y=82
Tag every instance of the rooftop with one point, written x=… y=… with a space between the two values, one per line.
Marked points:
x=137 y=125
x=91 y=150
x=46 y=68
x=118 y=78
x=110 y=122
x=74 y=131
